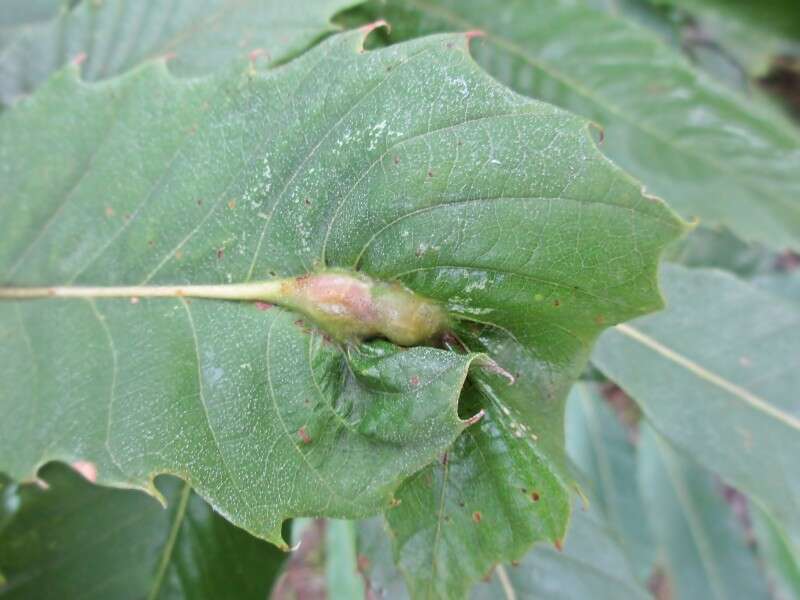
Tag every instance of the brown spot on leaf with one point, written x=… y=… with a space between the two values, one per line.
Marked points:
x=394 y=502
x=535 y=496
x=304 y=435
x=231 y=203
x=476 y=516
x=414 y=380
x=220 y=253
x=109 y=211
x=263 y=305
x=559 y=544
x=600 y=319
x=556 y=302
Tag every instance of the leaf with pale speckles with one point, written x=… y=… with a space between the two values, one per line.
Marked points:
x=709 y=152
x=339 y=159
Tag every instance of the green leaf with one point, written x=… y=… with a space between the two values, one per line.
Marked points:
x=116 y=35
x=591 y=565
x=753 y=33
x=502 y=486
x=77 y=540
x=344 y=582
x=705 y=550
x=603 y=450
x=721 y=249
x=715 y=374
x=377 y=562
x=785 y=285
x=781 y=562
x=490 y=497
x=327 y=162
x=24 y=13
x=705 y=149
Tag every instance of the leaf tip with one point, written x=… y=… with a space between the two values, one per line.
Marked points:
x=151 y=489
x=369 y=28
x=474 y=418
x=491 y=366
x=601 y=132
x=87 y=469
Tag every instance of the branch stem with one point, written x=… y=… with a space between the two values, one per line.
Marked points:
x=268 y=291
x=345 y=304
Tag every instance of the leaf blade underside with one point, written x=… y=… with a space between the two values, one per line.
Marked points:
x=248 y=175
